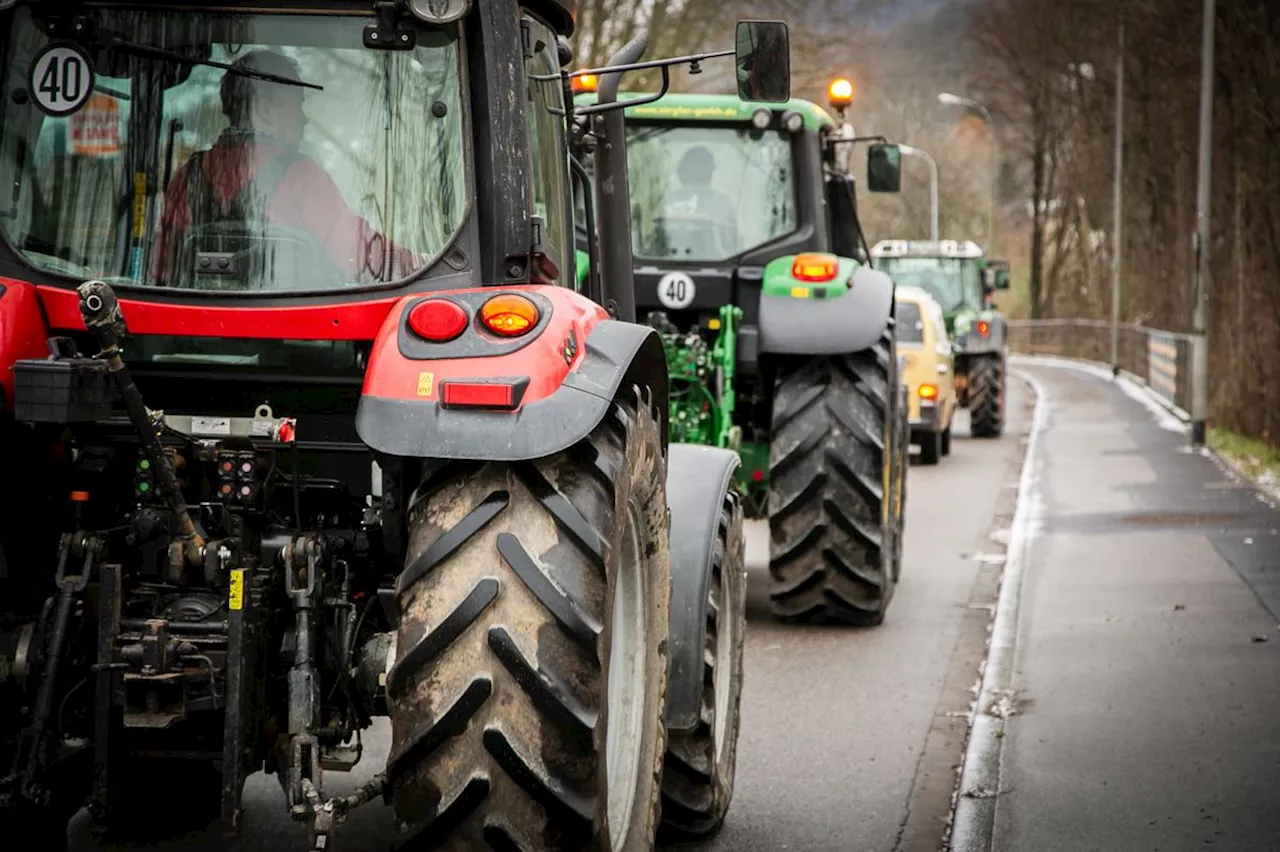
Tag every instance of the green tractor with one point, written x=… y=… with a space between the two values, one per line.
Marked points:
x=964 y=281
x=751 y=263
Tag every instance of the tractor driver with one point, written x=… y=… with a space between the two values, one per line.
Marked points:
x=696 y=197
x=257 y=156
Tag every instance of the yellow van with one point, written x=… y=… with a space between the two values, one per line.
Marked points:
x=930 y=371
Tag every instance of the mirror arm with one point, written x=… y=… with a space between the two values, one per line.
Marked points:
x=880 y=139
x=635 y=66
x=647 y=99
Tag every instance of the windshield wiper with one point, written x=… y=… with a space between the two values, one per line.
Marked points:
x=117 y=43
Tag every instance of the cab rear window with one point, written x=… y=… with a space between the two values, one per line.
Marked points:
x=910 y=323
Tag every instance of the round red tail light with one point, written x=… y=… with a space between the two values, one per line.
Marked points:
x=437 y=320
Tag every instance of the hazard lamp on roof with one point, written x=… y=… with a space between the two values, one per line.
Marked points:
x=584 y=83
x=437 y=11
x=840 y=92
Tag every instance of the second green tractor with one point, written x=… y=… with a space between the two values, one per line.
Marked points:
x=959 y=275
x=780 y=339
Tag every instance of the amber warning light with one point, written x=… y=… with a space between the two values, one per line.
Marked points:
x=585 y=83
x=840 y=92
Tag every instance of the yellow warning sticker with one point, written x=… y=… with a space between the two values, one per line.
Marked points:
x=235 y=597
x=426 y=383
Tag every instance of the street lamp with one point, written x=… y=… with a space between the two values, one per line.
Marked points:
x=933 y=186
x=948 y=99
x=1200 y=292
x=1117 y=206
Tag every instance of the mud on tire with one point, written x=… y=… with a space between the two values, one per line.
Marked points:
x=831 y=502
x=697 y=780
x=499 y=696
x=986 y=397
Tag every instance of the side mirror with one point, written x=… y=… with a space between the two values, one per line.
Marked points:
x=884 y=168
x=763 y=58
x=996 y=275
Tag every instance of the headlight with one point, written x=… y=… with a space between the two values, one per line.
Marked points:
x=793 y=121
x=761 y=118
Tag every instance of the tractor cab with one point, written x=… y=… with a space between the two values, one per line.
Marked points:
x=948 y=270
x=329 y=156
x=720 y=187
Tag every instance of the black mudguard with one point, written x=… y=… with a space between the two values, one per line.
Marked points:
x=616 y=352
x=697 y=479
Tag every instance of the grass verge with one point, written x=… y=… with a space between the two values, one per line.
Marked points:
x=1255 y=459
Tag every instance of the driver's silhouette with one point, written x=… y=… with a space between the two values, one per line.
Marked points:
x=257 y=156
x=696 y=196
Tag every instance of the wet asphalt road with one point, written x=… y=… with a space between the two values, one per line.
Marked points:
x=849 y=737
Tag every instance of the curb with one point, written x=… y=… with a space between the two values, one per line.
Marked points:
x=978 y=791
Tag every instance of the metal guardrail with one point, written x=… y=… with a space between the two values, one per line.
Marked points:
x=1161 y=359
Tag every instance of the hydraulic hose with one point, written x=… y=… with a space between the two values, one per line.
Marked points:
x=102 y=318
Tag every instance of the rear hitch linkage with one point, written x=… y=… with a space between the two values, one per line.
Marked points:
x=304 y=558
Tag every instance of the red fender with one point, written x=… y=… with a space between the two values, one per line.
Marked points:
x=23 y=331
x=518 y=398
x=539 y=356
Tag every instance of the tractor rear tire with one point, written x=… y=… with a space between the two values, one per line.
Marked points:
x=986 y=396
x=697 y=779
x=832 y=501
x=522 y=579
x=898 y=512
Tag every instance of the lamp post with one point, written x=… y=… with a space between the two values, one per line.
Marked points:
x=949 y=99
x=1200 y=293
x=933 y=186
x=1117 y=207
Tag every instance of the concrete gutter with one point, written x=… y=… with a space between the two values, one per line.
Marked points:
x=974 y=818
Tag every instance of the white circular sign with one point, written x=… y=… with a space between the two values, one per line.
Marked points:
x=61 y=79
x=675 y=291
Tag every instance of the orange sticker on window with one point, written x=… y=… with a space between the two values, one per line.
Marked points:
x=95 y=129
x=426 y=383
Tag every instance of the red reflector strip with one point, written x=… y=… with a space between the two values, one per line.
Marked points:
x=496 y=395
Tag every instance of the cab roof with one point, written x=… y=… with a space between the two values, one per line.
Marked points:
x=721 y=108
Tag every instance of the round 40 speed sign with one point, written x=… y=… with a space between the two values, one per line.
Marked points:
x=61 y=78
x=675 y=291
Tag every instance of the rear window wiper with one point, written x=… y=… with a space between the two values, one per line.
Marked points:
x=115 y=42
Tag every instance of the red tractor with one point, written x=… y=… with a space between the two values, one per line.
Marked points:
x=397 y=465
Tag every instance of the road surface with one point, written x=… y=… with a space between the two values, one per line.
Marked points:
x=850 y=737
x=1146 y=677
